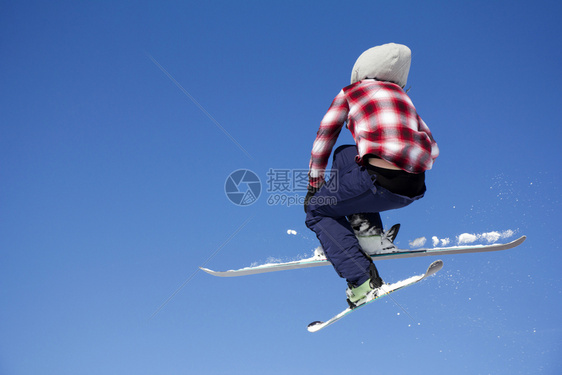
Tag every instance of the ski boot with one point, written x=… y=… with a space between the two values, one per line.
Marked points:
x=357 y=295
x=372 y=239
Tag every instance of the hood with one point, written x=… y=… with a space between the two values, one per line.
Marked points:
x=389 y=62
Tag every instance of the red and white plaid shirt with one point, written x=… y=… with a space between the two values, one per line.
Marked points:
x=383 y=122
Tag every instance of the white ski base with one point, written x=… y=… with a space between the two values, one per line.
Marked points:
x=321 y=260
x=386 y=290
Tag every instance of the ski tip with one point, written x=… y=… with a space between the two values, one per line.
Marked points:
x=315 y=326
x=209 y=271
x=434 y=267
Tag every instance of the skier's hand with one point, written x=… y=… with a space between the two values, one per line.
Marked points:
x=311 y=191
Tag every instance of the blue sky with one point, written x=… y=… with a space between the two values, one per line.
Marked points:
x=112 y=187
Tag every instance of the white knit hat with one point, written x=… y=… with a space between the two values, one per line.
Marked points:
x=389 y=62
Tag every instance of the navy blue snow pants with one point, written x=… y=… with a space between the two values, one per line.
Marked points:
x=350 y=190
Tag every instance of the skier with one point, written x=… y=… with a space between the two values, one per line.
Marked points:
x=384 y=170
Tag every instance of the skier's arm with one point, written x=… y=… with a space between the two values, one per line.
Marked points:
x=327 y=135
x=424 y=128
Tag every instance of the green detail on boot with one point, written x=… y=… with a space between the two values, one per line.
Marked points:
x=360 y=292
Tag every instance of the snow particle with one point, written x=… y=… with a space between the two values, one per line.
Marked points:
x=467 y=238
x=491 y=236
x=507 y=233
x=435 y=240
x=418 y=242
x=291 y=231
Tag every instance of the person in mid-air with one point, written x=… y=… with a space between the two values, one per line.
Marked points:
x=384 y=170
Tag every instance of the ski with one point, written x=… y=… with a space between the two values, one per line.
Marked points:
x=385 y=290
x=320 y=259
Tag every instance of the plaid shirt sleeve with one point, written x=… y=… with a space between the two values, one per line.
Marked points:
x=327 y=135
x=425 y=129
